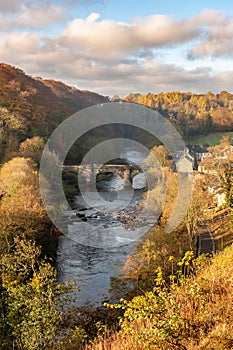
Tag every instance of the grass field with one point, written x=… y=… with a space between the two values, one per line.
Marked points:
x=211 y=139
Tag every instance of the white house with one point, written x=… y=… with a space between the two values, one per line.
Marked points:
x=185 y=164
x=219 y=196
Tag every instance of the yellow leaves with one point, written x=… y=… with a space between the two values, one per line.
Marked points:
x=36 y=282
x=8 y=281
x=159 y=280
x=186 y=260
x=196 y=313
x=33 y=298
x=32 y=148
x=15 y=175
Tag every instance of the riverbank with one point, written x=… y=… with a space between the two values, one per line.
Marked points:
x=100 y=239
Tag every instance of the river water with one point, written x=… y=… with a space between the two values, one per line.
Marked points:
x=112 y=234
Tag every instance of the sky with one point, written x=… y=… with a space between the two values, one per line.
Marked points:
x=122 y=46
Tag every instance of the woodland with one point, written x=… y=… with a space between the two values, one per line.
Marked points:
x=177 y=299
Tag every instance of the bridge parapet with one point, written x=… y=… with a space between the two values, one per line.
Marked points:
x=125 y=171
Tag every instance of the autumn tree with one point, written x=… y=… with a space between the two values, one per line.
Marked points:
x=194 y=214
x=21 y=207
x=10 y=128
x=222 y=158
x=32 y=148
x=161 y=154
x=192 y=114
x=33 y=297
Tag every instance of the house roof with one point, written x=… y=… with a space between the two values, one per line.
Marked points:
x=187 y=156
x=197 y=148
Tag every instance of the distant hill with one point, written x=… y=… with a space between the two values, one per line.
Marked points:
x=33 y=106
x=192 y=114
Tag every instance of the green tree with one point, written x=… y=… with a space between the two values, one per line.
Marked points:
x=34 y=299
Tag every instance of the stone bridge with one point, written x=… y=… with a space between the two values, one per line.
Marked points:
x=89 y=171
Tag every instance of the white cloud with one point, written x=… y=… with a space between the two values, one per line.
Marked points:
x=18 y=43
x=148 y=76
x=217 y=35
x=3 y=22
x=83 y=2
x=30 y=14
x=9 y=6
x=107 y=38
x=38 y=16
x=161 y=77
x=114 y=57
x=211 y=32
x=18 y=6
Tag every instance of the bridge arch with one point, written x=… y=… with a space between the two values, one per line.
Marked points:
x=126 y=171
x=139 y=180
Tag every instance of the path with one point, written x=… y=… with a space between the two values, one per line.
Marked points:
x=205 y=243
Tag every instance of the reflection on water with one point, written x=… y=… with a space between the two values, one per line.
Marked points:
x=91 y=268
x=91 y=265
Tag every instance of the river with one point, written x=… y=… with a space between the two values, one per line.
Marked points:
x=110 y=232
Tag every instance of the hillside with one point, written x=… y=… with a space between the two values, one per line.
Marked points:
x=193 y=314
x=192 y=114
x=212 y=139
x=33 y=106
